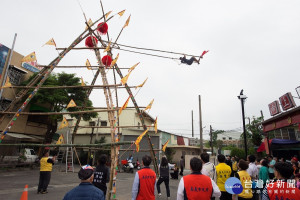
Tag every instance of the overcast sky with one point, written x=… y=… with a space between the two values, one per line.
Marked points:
x=253 y=45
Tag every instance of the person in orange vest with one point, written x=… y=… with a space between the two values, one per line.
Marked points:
x=284 y=187
x=144 y=182
x=45 y=172
x=197 y=186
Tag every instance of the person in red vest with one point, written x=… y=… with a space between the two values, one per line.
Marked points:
x=284 y=187
x=143 y=187
x=197 y=186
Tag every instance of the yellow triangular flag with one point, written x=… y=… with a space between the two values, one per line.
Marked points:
x=107 y=14
x=88 y=64
x=124 y=106
x=138 y=140
x=133 y=67
x=90 y=22
x=29 y=58
x=165 y=145
x=7 y=83
x=107 y=48
x=63 y=124
x=114 y=61
x=150 y=105
x=50 y=42
x=60 y=139
x=141 y=85
x=121 y=13
x=71 y=104
x=127 y=22
x=155 y=125
x=124 y=79
x=82 y=82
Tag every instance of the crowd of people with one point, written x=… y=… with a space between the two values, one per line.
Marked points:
x=260 y=179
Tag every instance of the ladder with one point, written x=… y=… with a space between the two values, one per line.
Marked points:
x=60 y=156
x=69 y=156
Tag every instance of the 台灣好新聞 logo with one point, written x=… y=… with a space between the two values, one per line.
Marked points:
x=233 y=186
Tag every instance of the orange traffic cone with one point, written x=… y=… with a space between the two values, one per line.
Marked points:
x=25 y=193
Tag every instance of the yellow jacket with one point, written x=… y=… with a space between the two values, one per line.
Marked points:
x=45 y=166
x=245 y=179
x=223 y=173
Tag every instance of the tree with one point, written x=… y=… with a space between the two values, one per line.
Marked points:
x=255 y=129
x=215 y=133
x=56 y=100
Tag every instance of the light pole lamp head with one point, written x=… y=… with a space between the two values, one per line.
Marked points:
x=242 y=96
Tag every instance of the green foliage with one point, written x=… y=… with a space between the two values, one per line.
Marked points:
x=255 y=129
x=215 y=142
x=170 y=152
x=58 y=99
x=240 y=153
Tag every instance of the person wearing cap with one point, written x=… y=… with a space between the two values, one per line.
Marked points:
x=196 y=185
x=283 y=187
x=45 y=172
x=144 y=182
x=85 y=190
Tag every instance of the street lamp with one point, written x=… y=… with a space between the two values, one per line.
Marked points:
x=243 y=97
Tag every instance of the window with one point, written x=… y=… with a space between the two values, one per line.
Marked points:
x=15 y=75
x=92 y=123
x=230 y=138
x=224 y=138
x=103 y=123
x=4 y=103
x=175 y=137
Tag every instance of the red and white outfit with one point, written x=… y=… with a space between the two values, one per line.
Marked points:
x=144 y=184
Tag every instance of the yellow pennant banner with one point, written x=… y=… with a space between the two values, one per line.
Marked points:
x=90 y=22
x=114 y=61
x=124 y=106
x=63 y=124
x=71 y=104
x=121 y=13
x=50 y=42
x=150 y=105
x=127 y=22
x=29 y=58
x=155 y=125
x=88 y=64
x=60 y=139
x=165 y=145
x=138 y=140
x=107 y=14
x=133 y=67
x=141 y=85
x=107 y=48
x=82 y=82
x=124 y=79
x=7 y=83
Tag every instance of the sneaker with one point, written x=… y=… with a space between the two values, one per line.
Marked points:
x=44 y=192
x=159 y=194
x=169 y=198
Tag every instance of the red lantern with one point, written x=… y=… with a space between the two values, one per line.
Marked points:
x=89 y=42
x=106 y=60
x=102 y=28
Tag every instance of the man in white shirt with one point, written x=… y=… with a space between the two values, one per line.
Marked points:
x=208 y=168
x=197 y=185
x=253 y=172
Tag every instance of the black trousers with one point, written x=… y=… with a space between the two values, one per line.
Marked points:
x=225 y=196
x=44 y=181
x=181 y=171
x=166 y=180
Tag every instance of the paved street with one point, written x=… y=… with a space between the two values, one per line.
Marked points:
x=13 y=182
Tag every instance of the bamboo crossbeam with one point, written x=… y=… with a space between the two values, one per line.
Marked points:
x=66 y=86
x=59 y=113
x=109 y=126
x=78 y=66
x=67 y=145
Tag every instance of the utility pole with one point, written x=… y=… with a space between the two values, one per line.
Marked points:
x=91 y=140
x=201 y=130
x=192 y=124
x=243 y=97
x=211 y=140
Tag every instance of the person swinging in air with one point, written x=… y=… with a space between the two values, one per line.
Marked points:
x=192 y=59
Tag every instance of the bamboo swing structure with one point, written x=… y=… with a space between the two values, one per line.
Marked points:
x=110 y=108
